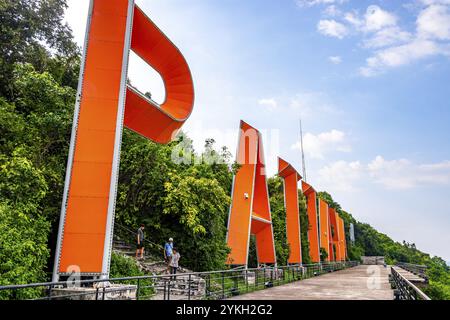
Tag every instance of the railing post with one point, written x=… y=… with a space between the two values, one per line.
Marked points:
x=49 y=296
x=223 y=285
x=246 y=278
x=138 y=288
x=189 y=287
x=164 y=290
x=207 y=288
x=168 y=289
x=264 y=277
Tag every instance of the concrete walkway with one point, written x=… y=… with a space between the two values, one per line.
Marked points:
x=359 y=283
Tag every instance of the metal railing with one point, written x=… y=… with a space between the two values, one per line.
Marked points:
x=417 y=269
x=128 y=235
x=214 y=285
x=405 y=289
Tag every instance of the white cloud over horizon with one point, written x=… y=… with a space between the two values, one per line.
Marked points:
x=332 y=28
x=317 y=146
x=389 y=44
x=335 y=59
x=397 y=174
x=270 y=103
x=311 y=3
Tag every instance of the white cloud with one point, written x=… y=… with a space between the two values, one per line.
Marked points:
x=377 y=18
x=335 y=59
x=332 y=28
x=353 y=19
x=434 y=22
x=316 y=146
x=306 y=104
x=310 y=3
x=387 y=37
x=332 y=11
x=403 y=174
x=397 y=174
x=270 y=103
x=429 y=2
x=341 y=175
x=399 y=47
x=393 y=45
x=401 y=55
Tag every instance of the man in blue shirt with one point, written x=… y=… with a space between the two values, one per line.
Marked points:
x=168 y=248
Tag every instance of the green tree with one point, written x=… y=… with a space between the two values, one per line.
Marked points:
x=33 y=31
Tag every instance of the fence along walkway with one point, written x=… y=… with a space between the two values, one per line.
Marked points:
x=362 y=282
x=411 y=277
x=407 y=284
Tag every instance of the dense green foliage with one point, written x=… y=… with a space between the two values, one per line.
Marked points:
x=32 y=31
x=186 y=201
x=278 y=211
x=174 y=191
x=123 y=266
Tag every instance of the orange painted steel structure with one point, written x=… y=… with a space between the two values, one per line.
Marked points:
x=324 y=228
x=104 y=104
x=313 y=231
x=334 y=218
x=250 y=208
x=342 y=241
x=290 y=178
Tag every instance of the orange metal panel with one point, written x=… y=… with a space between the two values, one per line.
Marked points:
x=313 y=232
x=290 y=177
x=324 y=227
x=83 y=243
x=345 y=240
x=335 y=233
x=250 y=210
x=86 y=219
x=159 y=123
x=342 y=241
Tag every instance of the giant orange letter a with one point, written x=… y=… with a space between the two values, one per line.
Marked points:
x=250 y=209
x=105 y=103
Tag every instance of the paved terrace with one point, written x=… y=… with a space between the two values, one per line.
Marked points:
x=358 y=283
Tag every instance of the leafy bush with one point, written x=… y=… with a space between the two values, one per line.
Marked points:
x=123 y=266
x=24 y=252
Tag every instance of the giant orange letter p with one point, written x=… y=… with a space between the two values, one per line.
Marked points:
x=105 y=103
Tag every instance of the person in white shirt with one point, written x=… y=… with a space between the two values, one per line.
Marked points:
x=174 y=262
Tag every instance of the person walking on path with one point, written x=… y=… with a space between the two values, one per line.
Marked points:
x=140 y=243
x=174 y=262
x=168 y=248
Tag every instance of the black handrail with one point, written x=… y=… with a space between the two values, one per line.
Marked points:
x=211 y=284
x=417 y=269
x=405 y=290
x=131 y=232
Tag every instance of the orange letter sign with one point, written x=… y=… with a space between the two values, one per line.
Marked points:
x=324 y=228
x=313 y=233
x=335 y=251
x=104 y=104
x=290 y=177
x=250 y=209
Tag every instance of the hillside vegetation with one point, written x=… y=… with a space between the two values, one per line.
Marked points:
x=187 y=199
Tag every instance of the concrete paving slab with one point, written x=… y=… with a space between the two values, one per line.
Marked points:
x=364 y=282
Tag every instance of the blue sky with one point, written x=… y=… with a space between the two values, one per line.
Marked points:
x=370 y=79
